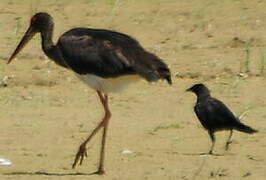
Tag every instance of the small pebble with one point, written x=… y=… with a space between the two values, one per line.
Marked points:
x=5 y=162
x=126 y=152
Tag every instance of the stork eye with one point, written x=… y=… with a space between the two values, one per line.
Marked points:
x=33 y=19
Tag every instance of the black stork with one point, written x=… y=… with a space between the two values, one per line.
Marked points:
x=106 y=60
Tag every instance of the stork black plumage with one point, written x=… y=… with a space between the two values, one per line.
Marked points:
x=106 y=60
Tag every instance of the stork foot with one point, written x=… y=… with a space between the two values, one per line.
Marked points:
x=99 y=172
x=82 y=152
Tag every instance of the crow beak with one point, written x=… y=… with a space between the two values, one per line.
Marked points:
x=25 y=39
x=189 y=89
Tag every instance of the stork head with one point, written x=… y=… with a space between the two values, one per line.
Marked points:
x=38 y=23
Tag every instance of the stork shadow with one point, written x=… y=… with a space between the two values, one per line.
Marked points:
x=202 y=154
x=45 y=173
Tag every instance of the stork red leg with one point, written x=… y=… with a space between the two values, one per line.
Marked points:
x=104 y=123
x=105 y=126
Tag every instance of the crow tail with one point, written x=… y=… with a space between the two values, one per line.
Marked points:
x=246 y=129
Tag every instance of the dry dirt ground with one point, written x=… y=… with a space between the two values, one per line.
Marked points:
x=46 y=112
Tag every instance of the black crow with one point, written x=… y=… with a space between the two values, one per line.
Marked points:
x=215 y=116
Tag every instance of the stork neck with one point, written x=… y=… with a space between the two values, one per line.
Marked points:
x=47 y=35
x=49 y=48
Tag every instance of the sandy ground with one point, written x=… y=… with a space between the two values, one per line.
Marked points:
x=46 y=112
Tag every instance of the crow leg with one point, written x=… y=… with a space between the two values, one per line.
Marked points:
x=211 y=133
x=228 y=142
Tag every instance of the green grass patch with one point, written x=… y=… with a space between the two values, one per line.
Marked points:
x=166 y=126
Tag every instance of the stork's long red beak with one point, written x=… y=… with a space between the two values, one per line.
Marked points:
x=25 y=39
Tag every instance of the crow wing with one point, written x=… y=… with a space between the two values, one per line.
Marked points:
x=213 y=114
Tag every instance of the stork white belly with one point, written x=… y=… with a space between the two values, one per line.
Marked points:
x=108 y=85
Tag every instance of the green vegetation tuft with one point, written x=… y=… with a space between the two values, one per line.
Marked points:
x=166 y=126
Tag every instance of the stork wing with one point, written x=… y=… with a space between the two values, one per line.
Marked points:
x=85 y=55
x=108 y=54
